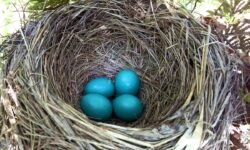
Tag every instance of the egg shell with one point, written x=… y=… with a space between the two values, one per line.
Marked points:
x=127 y=107
x=127 y=82
x=96 y=106
x=100 y=85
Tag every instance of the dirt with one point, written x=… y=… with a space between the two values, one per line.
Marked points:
x=240 y=131
x=240 y=134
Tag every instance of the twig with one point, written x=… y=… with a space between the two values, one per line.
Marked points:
x=195 y=4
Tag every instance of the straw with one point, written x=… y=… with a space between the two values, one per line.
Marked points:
x=188 y=82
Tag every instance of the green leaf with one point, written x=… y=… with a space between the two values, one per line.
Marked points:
x=247 y=98
x=47 y=4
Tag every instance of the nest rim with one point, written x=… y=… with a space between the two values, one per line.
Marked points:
x=49 y=46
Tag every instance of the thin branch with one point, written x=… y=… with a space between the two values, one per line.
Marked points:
x=195 y=4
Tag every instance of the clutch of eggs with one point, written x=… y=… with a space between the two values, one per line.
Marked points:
x=96 y=103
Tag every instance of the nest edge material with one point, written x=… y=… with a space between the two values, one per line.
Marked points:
x=189 y=82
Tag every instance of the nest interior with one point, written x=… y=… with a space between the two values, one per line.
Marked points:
x=188 y=82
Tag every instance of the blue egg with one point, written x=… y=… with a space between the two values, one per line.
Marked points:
x=127 y=82
x=127 y=107
x=96 y=106
x=101 y=85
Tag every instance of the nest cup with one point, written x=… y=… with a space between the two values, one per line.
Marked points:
x=187 y=78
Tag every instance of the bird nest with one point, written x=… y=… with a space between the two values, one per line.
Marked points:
x=188 y=79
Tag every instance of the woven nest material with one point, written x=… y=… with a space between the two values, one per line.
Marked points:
x=188 y=79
